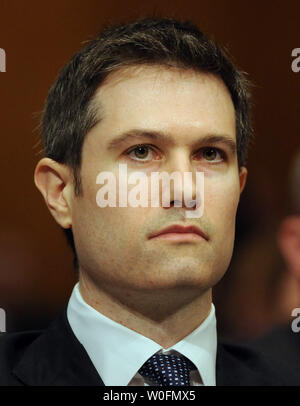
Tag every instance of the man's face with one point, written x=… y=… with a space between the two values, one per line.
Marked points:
x=183 y=109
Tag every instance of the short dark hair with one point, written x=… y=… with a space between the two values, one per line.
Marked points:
x=69 y=112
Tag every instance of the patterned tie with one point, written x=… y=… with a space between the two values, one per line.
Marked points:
x=168 y=370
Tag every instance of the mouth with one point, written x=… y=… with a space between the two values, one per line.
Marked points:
x=180 y=233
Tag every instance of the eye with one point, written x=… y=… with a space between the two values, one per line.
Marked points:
x=212 y=154
x=142 y=153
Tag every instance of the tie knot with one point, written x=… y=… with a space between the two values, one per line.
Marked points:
x=168 y=369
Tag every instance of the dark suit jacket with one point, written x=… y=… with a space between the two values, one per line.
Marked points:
x=55 y=357
x=283 y=338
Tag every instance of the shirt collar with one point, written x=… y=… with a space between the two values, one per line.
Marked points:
x=118 y=352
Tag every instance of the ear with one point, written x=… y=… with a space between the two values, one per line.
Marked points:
x=243 y=177
x=55 y=182
x=289 y=243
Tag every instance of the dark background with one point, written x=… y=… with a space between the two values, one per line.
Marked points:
x=39 y=37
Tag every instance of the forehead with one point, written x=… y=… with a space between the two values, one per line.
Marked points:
x=176 y=101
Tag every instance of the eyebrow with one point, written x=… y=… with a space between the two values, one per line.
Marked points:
x=137 y=134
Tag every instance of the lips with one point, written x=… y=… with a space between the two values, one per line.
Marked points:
x=179 y=232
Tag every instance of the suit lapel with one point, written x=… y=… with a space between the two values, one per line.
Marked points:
x=237 y=366
x=57 y=358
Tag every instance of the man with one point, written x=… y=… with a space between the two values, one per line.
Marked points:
x=155 y=96
x=287 y=337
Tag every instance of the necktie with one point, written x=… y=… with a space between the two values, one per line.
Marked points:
x=168 y=370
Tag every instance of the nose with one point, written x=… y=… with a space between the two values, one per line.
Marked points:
x=180 y=186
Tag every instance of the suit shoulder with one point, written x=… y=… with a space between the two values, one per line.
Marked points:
x=12 y=348
x=281 y=344
x=259 y=366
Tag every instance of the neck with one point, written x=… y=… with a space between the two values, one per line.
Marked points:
x=164 y=316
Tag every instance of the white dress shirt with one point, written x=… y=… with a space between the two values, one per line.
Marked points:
x=118 y=352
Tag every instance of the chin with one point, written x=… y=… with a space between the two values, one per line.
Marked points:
x=176 y=281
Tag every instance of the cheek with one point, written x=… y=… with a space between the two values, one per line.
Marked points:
x=221 y=201
x=103 y=230
x=105 y=221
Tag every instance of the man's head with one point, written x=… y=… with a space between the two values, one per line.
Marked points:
x=289 y=231
x=186 y=106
